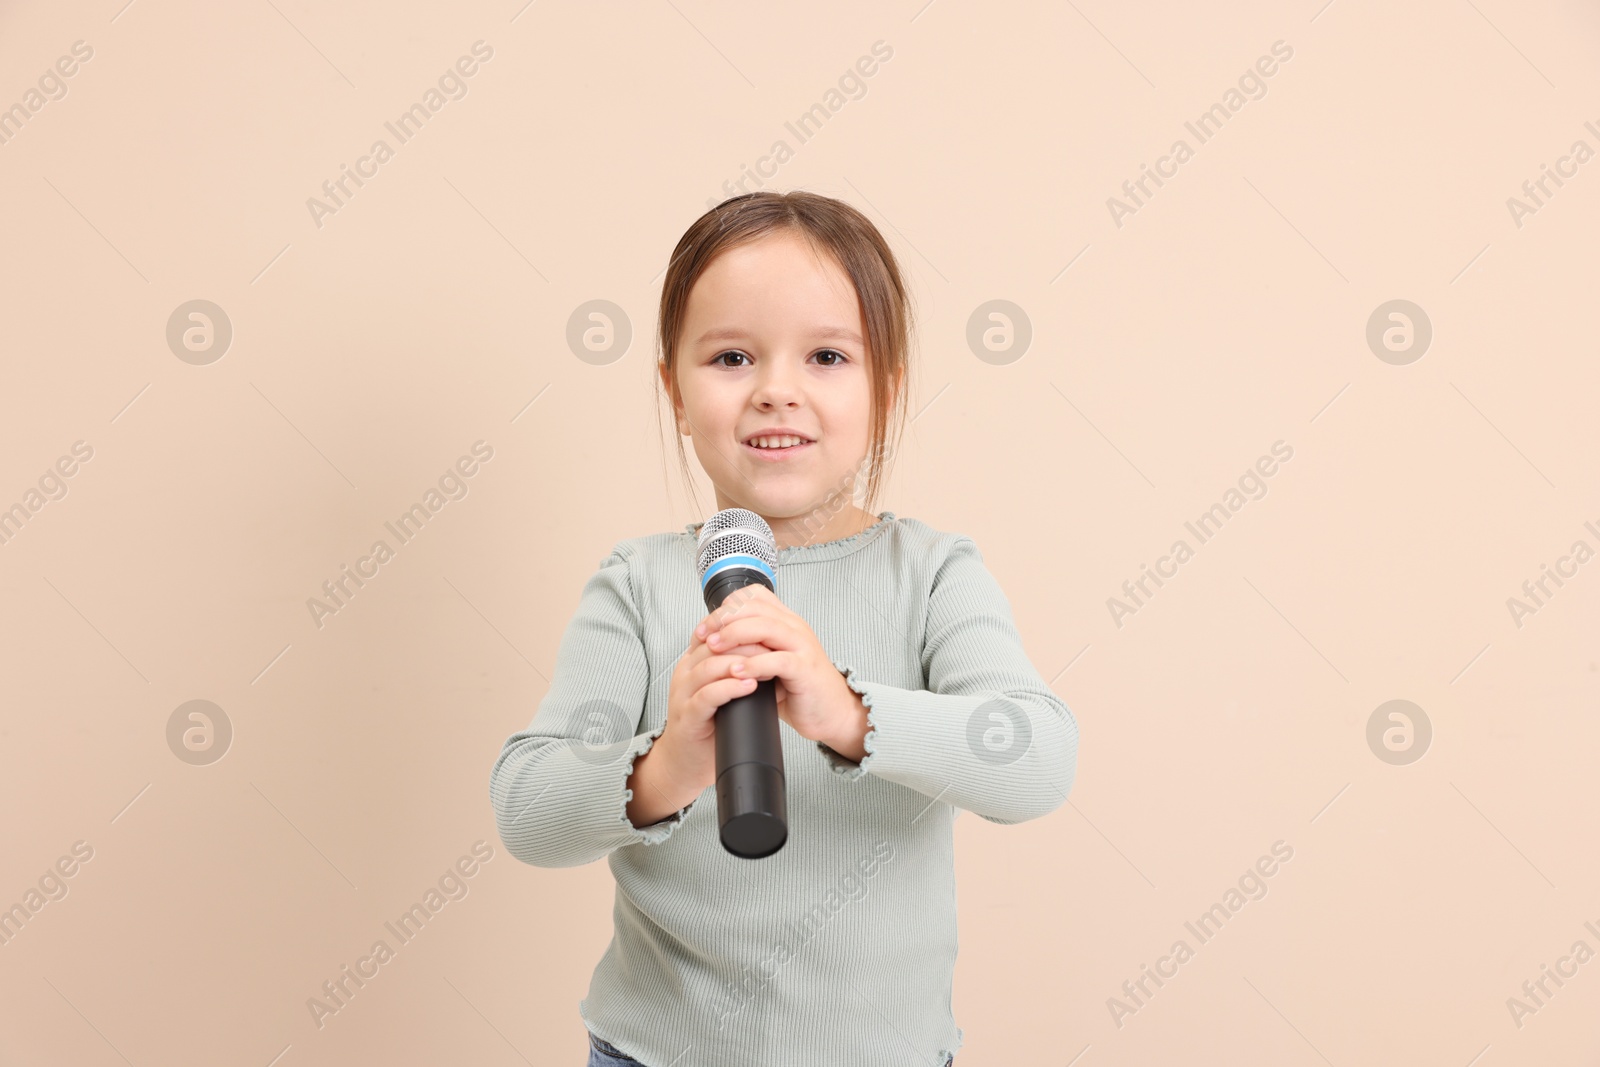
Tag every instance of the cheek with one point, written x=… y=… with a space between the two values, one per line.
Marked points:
x=852 y=420
x=710 y=458
x=713 y=411
x=720 y=401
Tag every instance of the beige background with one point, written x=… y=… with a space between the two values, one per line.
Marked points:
x=431 y=311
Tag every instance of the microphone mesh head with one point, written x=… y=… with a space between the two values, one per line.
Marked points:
x=736 y=532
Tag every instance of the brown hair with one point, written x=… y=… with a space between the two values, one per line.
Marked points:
x=859 y=249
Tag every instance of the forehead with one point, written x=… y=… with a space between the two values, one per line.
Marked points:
x=776 y=282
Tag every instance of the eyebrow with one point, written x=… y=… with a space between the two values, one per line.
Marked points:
x=734 y=333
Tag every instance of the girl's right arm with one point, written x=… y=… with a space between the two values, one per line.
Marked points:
x=581 y=780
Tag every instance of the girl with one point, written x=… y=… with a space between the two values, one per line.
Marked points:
x=900 y=676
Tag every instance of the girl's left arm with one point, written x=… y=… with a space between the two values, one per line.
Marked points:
x=987 y=734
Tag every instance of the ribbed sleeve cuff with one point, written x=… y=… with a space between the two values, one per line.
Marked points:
x=850 y=770
x=656 y=832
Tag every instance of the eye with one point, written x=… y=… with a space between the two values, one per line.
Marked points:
x=718 y=357
x=834 y=352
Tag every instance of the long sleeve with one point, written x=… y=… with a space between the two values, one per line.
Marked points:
x=987 y=735
x=560 y=787
x=861 y=899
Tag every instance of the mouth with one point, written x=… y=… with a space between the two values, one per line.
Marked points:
x=777 y=446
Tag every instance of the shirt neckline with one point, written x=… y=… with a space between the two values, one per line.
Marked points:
x=824 y=550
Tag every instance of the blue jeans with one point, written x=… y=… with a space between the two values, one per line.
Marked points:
x=604 y=1054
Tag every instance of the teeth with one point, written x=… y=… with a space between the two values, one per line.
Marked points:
x=775 y=442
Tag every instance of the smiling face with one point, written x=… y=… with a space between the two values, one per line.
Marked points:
x=772 y=350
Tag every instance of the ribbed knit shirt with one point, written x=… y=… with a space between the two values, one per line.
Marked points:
x=839 y=949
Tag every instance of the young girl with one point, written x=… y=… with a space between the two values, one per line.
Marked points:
x=903 y=690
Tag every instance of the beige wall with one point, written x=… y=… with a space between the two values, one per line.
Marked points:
x=374 y=345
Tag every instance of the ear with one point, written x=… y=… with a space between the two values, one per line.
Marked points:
x=677 y=409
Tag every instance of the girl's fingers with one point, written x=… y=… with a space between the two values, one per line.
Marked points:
x=713 y=668
x=766 y=665
x=749 y=631
x=737 y=606
x=711 y=697
x=699 y=650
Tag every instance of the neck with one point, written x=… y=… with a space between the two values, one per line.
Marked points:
x=803 y=530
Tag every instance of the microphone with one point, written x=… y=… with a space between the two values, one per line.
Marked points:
x=736 y=549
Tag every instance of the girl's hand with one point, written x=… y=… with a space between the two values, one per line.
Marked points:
x=702 y=682
x=813 y=697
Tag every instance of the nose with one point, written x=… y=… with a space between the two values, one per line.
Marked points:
x=777 y=386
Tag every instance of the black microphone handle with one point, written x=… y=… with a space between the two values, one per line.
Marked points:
x=752 y=809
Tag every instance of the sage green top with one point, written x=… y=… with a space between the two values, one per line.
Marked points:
x=840 y=948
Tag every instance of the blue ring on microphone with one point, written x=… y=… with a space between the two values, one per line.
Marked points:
x=728 y=562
